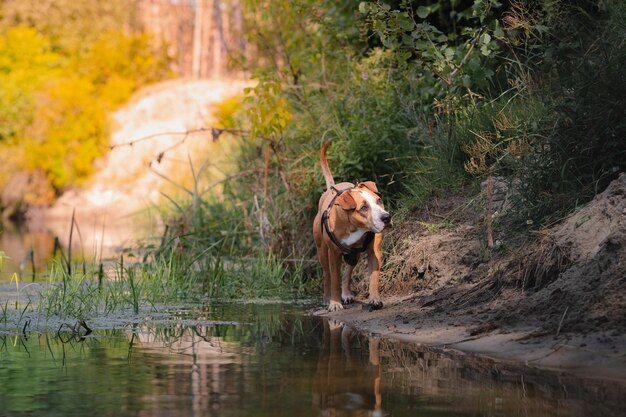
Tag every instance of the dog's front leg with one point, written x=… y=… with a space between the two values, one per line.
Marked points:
x=375 y=361
x=334 y=261
x=374 y=262
x=346 y=293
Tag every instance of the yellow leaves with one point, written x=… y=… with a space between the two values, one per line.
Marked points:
x=487 y=148
x=226 y=112
x=118 y=63
x=54 y=102
x=127 y=56
x=22 y=46
x=519 y=147
x=116 y=90
x=68 y=131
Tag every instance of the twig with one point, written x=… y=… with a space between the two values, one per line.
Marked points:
x=32 y=262
x=26 y=325
x=87 y=329
x=215 y=133
x=555 y=348
x=57 y=246
x=22 y=265
x=490 y=212
x=69 y=248
x=226 y=179
x=558 y=330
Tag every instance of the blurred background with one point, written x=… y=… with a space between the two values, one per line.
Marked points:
x=80 y=77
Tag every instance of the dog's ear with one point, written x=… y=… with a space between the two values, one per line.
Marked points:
x=370 y=185
x=346 y=201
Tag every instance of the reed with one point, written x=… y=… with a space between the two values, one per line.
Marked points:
x=4 y=314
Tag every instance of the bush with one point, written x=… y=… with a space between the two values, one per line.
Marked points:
x=532 y=93
x=581 y=146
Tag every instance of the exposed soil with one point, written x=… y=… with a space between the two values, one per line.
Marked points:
x=555 y=301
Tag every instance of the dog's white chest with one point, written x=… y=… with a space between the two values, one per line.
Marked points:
x=353 y=237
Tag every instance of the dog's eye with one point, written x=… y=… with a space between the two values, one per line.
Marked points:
x=379 y=202
x=364 y=208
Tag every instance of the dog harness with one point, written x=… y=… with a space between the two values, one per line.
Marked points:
x=349 y=254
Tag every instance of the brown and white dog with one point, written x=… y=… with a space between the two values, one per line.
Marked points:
x=349 y=222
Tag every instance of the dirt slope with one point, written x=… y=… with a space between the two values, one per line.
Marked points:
x=559 y=301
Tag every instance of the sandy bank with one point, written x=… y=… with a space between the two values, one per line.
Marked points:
x=558 y=301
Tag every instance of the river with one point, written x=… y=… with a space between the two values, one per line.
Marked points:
x=273 y=360
x=94 y=240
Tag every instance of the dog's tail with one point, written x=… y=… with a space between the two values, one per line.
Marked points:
x=328 y=176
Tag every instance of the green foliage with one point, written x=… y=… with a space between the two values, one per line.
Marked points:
x=212 y=242
x=415 y=97
x=456 y=57
x=319 y=81
x=532 y=92
x=581 y=147
x=268 y=110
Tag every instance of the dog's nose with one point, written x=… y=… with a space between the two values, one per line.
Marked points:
x=386 y=218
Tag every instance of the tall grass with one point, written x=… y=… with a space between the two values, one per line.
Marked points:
x=164 y=280
x=206 y=254
x=559 y=131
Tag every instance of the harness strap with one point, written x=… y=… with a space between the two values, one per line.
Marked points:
x=349 y=254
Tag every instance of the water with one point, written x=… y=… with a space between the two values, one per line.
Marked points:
x=16 y=243
x=100 y=239
x=273 y=361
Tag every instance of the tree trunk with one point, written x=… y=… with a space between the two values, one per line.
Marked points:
x=196 y=60
x=218 y=58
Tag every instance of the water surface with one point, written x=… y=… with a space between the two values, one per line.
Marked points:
x=31 y=247
x=272 y=360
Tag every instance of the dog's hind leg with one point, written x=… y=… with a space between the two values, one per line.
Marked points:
x=322 y=253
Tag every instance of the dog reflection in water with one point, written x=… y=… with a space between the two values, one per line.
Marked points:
x=346 y=384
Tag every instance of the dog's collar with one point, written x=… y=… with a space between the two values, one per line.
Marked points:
x=349 y=254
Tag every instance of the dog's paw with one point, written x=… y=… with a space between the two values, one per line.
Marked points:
x=334 y=324
x=335 y=306
x=375 y=304
x=347 y=299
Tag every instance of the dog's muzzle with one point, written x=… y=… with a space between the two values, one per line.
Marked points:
x=386 y=219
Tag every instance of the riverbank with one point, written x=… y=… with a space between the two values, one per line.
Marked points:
x=598 y=354
x=556 y=301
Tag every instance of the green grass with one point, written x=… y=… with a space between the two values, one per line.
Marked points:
x=148 y=286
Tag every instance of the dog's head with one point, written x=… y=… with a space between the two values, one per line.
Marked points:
x=365 y=207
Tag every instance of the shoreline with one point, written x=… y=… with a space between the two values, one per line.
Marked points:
x=597 y=355
x=555 y=301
